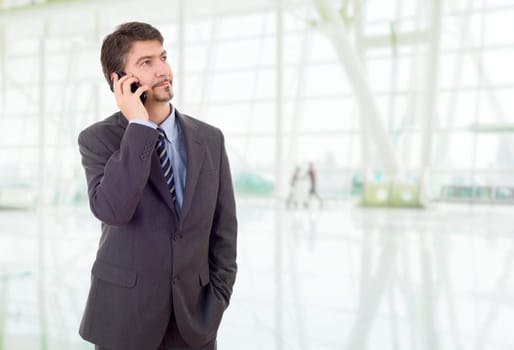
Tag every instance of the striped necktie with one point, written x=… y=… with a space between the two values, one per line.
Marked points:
x=165 y=161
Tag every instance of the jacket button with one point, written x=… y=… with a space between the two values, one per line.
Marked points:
x=178 y=237
x=176 y=279
x=143 y=157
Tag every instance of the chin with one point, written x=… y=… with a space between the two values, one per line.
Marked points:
x=163 y=97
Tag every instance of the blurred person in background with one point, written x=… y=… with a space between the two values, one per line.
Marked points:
x=293 y=197
x=313 y=192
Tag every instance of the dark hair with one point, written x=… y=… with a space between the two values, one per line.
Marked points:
x=116 y=45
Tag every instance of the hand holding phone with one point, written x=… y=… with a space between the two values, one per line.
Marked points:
x=131 y=107
x=133 y=87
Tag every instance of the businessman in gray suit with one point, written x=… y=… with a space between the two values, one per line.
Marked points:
x=159 y=182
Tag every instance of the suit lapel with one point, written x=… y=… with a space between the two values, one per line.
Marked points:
x=156 y=174
x=157 y=179
x=195 y=154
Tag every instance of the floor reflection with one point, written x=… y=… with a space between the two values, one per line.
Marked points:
x=349 y=278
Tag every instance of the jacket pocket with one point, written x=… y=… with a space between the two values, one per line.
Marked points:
x=114 y=274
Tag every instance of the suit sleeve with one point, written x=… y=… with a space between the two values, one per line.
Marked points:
x=116 y=177
x=223 y=239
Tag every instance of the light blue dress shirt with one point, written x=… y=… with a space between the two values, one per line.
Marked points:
x=176 y=148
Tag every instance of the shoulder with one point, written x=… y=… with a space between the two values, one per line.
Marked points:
x=109 y=128
x=202 y=128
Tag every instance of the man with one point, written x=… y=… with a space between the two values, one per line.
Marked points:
x=160 y=183
x=311 y=173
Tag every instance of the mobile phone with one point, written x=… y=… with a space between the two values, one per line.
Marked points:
x=133 y=87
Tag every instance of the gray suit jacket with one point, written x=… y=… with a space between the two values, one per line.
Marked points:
x=151 y=262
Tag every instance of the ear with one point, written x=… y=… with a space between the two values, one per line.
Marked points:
x=114 y=75
x=111 y=78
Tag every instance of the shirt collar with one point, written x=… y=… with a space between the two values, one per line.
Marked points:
x=169 y=125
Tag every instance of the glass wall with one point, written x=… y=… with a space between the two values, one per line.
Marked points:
x=52 y=87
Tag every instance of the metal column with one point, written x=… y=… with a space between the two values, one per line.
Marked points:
x=279 y=113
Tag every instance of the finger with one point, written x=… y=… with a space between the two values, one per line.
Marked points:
x=119 y=83
x=126 y=82
x=140 y=90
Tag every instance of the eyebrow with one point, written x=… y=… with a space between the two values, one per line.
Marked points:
x=150 y=56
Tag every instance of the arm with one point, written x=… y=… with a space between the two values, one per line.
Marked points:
x=223 y=239
x=116 y=179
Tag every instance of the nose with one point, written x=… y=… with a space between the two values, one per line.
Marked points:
x=163 y=69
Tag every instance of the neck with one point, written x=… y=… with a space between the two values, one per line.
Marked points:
x=158 y=112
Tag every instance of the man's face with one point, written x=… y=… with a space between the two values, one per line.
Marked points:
x=147 y=61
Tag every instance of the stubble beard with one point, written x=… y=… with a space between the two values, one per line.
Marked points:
x=164 y=96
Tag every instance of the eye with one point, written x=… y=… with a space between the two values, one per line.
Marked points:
x=164 y=58
x=145 y=62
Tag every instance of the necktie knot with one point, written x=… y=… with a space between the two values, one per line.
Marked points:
x=162 y=135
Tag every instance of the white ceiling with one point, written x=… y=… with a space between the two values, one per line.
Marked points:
x=98 y=16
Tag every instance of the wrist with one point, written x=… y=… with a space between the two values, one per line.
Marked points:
x=148 y=123
x=136 y=115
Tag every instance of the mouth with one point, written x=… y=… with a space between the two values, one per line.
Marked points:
x=162 y=83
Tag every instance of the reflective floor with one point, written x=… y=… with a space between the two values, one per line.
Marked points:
x=341 y=277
